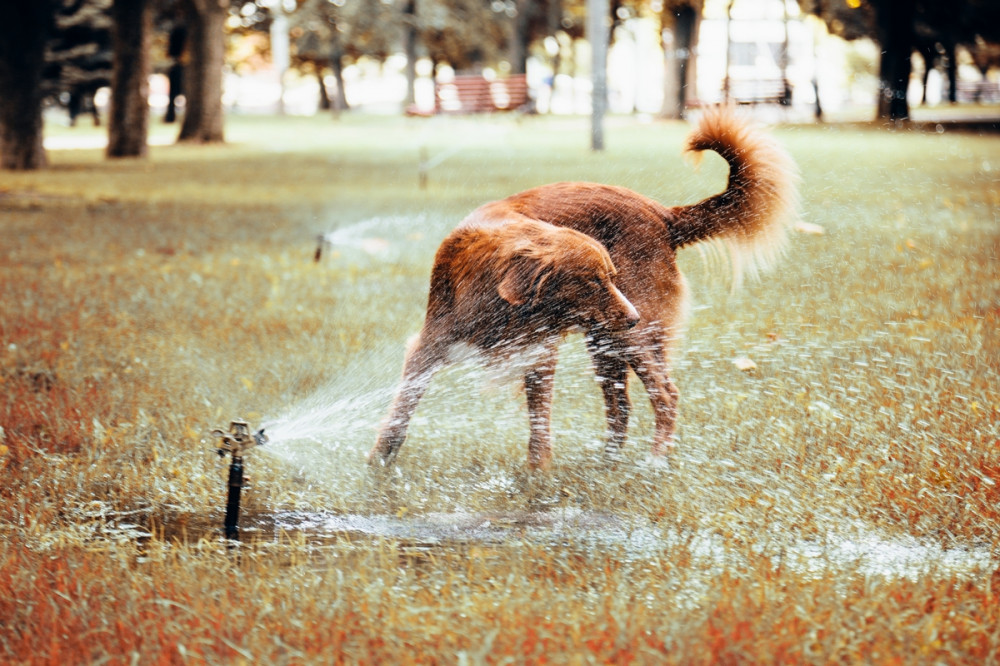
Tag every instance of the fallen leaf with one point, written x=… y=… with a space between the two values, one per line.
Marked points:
x=810 y=228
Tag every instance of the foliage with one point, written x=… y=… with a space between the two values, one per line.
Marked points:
x=78 y=56
x=933 y=27
x=322 y=29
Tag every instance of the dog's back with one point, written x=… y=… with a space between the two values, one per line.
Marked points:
x=525 y=269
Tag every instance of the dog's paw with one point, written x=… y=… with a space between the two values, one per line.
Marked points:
x=658 y=462
x=613 y=456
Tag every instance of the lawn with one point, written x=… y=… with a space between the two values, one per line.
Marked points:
x=837 y=500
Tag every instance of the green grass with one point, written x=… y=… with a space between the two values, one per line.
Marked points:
x=146 y=302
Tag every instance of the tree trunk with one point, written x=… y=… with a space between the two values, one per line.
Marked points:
x=337 y=64
x=895 y=21
x=23 y=33
x=175 y=88
x=553 y=25
x=339 y=96
x=128 y=120
x=598 y=12
x=928 y=53
x=203 y=77
x=324 y=94
x=519 y=38
x=176 y=44
x=952 y=67
x=410 y=50
x=680 y=54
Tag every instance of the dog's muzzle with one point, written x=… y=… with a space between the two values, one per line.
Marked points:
x=631 y=315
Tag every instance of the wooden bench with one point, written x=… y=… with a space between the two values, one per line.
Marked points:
x=476 y=94
x=764 y=91
x=978 y=91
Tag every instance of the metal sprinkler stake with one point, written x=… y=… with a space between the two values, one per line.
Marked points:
x=236 y=442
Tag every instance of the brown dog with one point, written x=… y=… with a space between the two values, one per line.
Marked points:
x=520 y=273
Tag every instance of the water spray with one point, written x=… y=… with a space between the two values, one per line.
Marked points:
x=236 y=442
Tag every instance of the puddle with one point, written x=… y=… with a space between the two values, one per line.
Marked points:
x=448 y=528
x=859 y=548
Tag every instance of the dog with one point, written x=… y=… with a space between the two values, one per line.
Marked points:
x=520 y=273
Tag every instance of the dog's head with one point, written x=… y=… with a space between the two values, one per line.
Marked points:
x=570 y=276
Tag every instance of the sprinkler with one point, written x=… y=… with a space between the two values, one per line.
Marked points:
x=323 y=242
x=236 y=442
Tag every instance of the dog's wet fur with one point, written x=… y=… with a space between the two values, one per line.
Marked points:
x=520 y=273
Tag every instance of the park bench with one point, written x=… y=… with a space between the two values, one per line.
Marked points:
x=760 y=91
x=477 y=94
x=978 y=91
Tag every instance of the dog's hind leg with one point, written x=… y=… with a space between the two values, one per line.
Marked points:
x=422 y=361
x=651 y=367
x=612 y=374
x=538 y=381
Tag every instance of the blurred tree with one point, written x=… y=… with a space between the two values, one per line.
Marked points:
x=170 y=20
x=895 y=29
x=598 y=20
x=979 y=32
x=932 y=27
x=462 y=33
x=680 y=20
x=533 y=21
x=78 y=55
x=334 y=33
x=203 y=117
x=985 y=55
x=522 y=14
x=128 y=125
x=408 y=10
x=23 y=32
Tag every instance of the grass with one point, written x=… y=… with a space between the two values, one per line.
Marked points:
x=839 y=503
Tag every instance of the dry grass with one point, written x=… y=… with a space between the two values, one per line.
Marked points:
x=839 y=503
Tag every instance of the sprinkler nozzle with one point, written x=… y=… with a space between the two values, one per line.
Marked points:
x=239 y=438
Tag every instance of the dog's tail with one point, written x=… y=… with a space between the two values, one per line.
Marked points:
x=751 y=216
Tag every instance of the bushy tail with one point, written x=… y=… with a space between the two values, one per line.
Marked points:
x=751 y=216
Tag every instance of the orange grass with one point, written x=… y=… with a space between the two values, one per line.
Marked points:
x=144 y=303
x=188 y=605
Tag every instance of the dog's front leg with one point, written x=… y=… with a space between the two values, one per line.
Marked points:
x=538 y=381
x=422 y=361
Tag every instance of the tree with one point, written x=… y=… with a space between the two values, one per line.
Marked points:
x=891 y=24
x=23 y=33
x=410 y=35
x=462 y=33
x=78 y=56
x=895 y=21
x=176 y=30
x=128 y=126
x=203 y=117
x=597 y=32
x=900 y=26
x=680 y=20
x=326 y=34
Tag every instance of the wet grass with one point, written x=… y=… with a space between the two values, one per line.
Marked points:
x=837 y=503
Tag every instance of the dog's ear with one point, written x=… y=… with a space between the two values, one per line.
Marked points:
x=523 y=279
